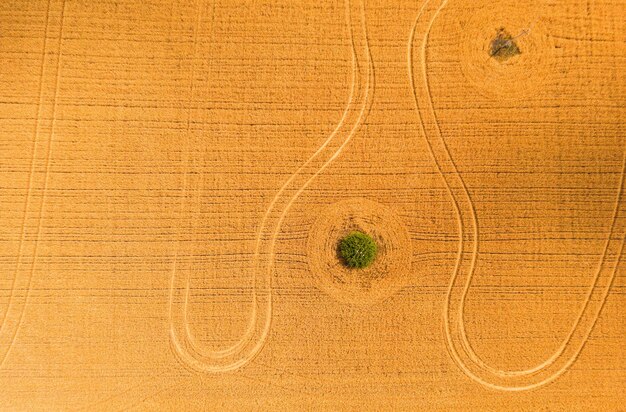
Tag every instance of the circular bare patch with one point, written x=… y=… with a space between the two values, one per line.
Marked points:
x=522 y=73
x=359 y=286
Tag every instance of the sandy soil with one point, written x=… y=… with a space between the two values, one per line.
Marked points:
x=174 y=177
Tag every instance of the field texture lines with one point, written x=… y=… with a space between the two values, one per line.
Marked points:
x=312 y=205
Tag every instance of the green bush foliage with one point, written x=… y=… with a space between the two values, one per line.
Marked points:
x=358 y=250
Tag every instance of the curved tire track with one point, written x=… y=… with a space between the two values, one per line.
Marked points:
x=456 y=337
x=254 y=337
x=37 y=186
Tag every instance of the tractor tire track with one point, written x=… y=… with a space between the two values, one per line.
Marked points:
x=253 y=339
x=37 y=187
x=456 y=337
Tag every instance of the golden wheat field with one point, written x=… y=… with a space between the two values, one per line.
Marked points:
x=176 y=177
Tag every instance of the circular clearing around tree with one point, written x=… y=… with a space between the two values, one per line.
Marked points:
x=386 y=273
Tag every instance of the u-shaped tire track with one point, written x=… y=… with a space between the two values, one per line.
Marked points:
x=253 y=339
x=456 y=337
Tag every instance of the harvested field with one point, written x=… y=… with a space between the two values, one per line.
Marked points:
x=176 y=179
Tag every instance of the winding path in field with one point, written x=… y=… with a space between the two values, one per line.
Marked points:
x=254 y=337
x=37 y=180
x=456 y=337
